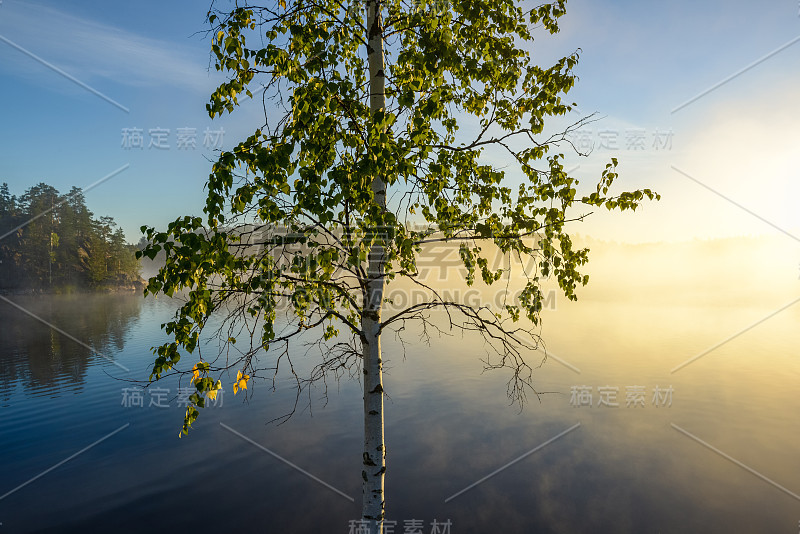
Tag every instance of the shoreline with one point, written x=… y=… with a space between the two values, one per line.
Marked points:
x=74 y=290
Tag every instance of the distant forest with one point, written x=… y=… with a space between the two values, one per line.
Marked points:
x=52 y=242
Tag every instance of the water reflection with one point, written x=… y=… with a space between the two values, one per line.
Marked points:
x=44 y=361
x=447 y=423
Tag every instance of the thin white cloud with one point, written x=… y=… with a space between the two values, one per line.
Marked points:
x=95 y=52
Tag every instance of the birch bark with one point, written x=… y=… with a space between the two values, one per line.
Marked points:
x=374 y=451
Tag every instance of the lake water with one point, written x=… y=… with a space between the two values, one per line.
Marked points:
x=714 y=451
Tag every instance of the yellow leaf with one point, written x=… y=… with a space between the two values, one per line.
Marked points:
x=282 y=3
x=195 y=374
x=212 y=394
x=241 y=382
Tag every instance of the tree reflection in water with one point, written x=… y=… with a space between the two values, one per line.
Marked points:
x=46 y=362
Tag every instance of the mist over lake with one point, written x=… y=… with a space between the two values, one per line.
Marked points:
x=670 y=389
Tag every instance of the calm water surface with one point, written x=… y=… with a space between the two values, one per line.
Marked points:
x=723 y=457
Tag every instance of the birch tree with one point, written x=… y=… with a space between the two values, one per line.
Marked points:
x=298 y=241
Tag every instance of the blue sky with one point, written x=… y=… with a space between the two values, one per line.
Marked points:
x=639 y=62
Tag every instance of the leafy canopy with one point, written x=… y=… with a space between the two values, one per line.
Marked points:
x=310 y=167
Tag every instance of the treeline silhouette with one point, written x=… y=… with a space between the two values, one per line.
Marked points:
x=50 y=241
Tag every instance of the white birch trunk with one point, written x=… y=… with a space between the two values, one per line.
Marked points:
x=374 y=457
